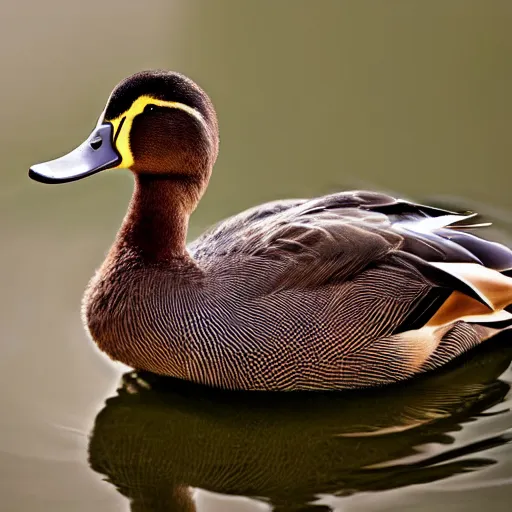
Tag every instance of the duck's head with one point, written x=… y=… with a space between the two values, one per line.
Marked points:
x=154 y=123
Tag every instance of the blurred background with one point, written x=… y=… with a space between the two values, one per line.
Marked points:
x=407 y=96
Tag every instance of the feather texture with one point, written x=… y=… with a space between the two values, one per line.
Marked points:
x=349 y=290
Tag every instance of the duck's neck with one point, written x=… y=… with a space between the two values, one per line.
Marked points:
x=156 y=224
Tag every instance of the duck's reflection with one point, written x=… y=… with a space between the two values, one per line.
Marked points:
x=154 y=444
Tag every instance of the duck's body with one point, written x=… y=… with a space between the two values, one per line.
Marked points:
x=349 y=290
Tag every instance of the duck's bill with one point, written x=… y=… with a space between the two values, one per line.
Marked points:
x=96 y=154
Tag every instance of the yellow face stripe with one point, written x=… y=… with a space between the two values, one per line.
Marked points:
x=122 y=141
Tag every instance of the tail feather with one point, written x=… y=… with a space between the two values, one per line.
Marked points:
x=478 y=272
x=491 y=254
x=493 y=288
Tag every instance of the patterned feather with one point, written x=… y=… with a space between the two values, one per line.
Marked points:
x=349 y=290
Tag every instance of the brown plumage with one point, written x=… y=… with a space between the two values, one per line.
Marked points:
x=348 y=290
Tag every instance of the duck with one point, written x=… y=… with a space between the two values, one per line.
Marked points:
x=354 y=289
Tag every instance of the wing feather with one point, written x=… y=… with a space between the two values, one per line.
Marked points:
x=336 y=238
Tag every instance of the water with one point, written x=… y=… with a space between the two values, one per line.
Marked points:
x=305 y=451
x=310 y=99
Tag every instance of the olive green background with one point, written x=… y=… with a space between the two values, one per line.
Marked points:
x=407 y=96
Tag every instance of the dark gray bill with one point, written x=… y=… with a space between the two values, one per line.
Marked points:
x=96 y=154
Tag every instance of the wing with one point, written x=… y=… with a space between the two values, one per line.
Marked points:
x=332 y=236
x=336 y=238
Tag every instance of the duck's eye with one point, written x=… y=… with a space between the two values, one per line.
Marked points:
x=149 y=108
